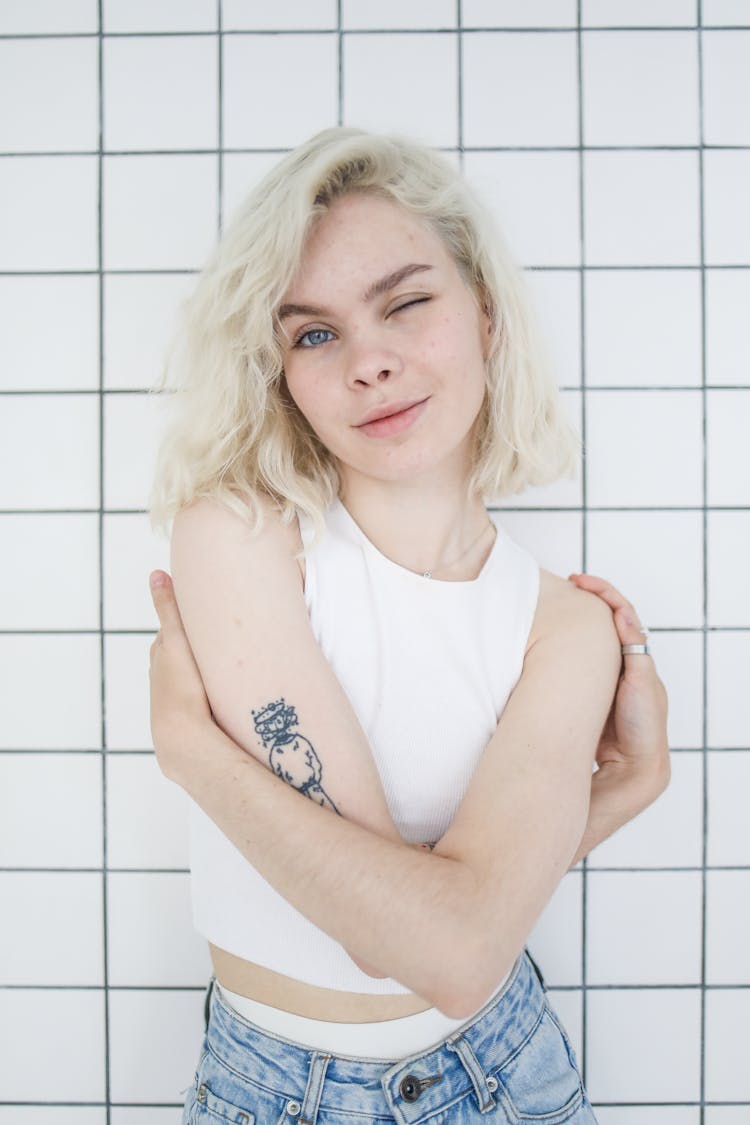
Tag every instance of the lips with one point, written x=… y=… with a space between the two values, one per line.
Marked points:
x=387 y=421
x=388 y=411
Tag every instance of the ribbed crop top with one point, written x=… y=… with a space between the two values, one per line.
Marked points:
x=428 y=667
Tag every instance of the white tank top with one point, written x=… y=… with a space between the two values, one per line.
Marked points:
x=428 y=667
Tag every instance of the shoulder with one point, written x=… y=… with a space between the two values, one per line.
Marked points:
x=208 y=533
x=566 y=612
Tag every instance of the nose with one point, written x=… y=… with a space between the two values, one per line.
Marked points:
x=371 y=360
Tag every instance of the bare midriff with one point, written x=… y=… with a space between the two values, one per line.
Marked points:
x=279 y=991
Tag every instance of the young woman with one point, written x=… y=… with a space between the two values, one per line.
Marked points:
x=358 y=376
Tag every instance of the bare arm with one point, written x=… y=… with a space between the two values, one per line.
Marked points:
x=480 y=892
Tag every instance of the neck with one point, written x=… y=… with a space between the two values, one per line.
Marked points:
x=436 y=528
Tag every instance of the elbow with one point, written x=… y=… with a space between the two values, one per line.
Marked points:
x=465 y=982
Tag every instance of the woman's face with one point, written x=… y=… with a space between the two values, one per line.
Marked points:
x=384 y=343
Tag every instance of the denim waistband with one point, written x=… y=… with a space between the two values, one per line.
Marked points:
x=415 y=1087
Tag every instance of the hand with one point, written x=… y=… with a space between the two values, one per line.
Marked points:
x=634 y=738
x=178 y=698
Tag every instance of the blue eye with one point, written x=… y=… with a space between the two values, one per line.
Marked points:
x=315 y=337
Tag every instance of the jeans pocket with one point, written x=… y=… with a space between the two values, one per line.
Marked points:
x=210 y=1108
x=541 y=1082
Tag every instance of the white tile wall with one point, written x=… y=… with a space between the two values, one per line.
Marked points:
x=630 y=278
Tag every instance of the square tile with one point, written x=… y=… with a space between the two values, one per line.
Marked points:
x=728 y=927
x=728 y=554
x=131 y=551
x=555 y=539
x=64 y=355
x=728 y=786
x=53 y=1115
x=252 y=65
x=159 y=211
x=132 y=1115
x=665 y=582
x=555 y=941
x=639 y=13
x=534 y=198
x=557 y=298
x=626 y=100
x=726 y=87
x=520 y=89
x=641 y=208
x=127 y=703
x=642 y=327
x=726 y=1115
x=65 y=791
x=426 y=109
x=45 y=17
x=257 y=15
x=727 y=1075
x=174 y=103
x=68 y=666
x=147 y=816
x=159 y=15
x=668 y=467
x=68 y=1027
x=134 y=360
x=734 y=12
x=52 y=930
x=242 y=172
x=727 y=186
x=132 y=422
x=727 y=301
x=49 y=572
x=50 y=451
x=643 y=927
x=728 y=698
x=727 y=423
x=679 y=658
x=392 y=14
x=650 y=1115
x=509 y=13
x=155 y=1039
x=151 y=939
x=53 y=86
x=48 y=213
x=565 y=492
x=669 y=833
x=643 y=1045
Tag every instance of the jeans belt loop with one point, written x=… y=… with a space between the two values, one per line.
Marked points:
x=315 y=1079
x=471 y=1065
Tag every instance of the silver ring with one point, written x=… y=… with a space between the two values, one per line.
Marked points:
x=635 y=650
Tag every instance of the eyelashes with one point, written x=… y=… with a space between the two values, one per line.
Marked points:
x=307 y=340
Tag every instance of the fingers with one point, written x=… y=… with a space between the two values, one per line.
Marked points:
x=165 y=603
x=629 y=629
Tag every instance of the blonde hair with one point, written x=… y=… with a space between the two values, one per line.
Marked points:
x=235 y=433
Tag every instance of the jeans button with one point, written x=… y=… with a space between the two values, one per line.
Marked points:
x=410 y=1088
x=492 y=1084
x=293 y=1108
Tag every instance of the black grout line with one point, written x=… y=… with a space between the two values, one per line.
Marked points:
x=584 y=499
x=100 y=560
x=704 y=486
x=210 y=150
x=460 y=85
x=220 y=116
x=478 y=29
x=340 y=64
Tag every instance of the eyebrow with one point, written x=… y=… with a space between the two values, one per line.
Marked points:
x=383 y=285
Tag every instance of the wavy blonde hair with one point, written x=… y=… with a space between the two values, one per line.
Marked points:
x=234 y=432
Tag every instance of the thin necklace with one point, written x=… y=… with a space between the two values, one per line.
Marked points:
x=442 y=566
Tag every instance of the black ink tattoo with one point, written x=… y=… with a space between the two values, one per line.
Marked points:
x=292 y=757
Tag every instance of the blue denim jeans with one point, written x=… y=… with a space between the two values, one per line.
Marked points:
x=510 y=1063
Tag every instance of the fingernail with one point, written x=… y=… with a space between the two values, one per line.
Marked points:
x=157 y=579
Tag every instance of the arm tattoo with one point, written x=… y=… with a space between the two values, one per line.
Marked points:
x=291 y=756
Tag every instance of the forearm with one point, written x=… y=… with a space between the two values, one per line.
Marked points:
x=378 y=898
x=619 y=791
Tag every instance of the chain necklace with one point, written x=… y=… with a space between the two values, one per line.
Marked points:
x=442 y=566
